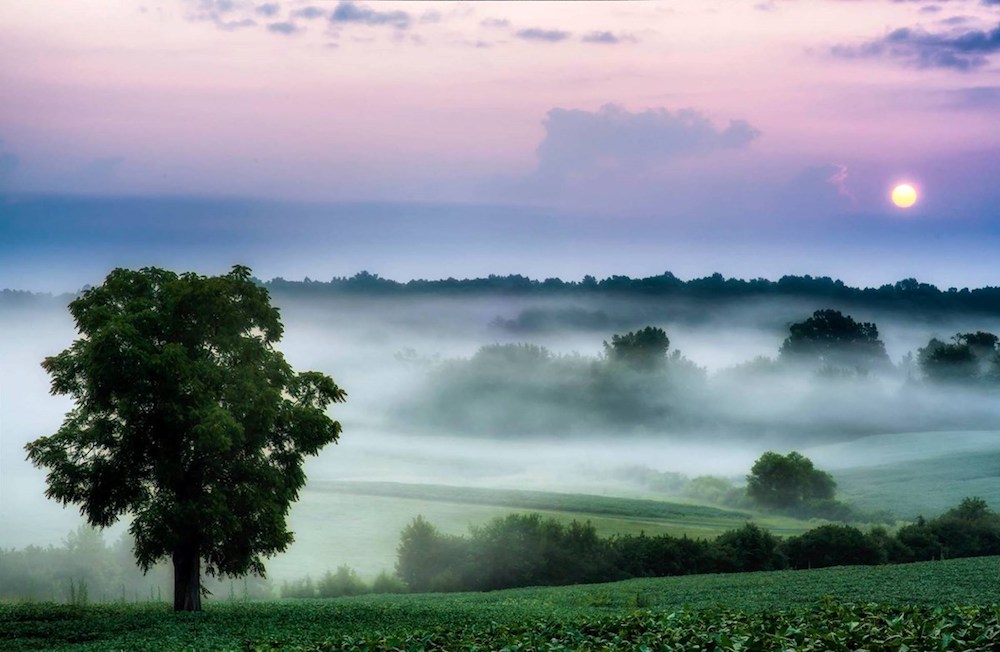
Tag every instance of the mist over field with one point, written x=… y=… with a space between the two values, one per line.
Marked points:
x=434 y=397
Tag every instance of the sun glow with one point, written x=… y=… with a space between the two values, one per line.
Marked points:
x=904 y=195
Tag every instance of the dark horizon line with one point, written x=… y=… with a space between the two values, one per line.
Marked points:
x=666 y=283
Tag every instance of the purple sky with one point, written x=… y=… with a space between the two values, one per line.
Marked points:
x=713 y=120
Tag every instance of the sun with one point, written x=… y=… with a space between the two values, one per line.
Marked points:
x=904 y=195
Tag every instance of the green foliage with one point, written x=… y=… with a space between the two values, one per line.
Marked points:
x=186 y=419
x=526 y=550
x=85 y=569
x=788 y=481
x=970 y=530
x=930 y=606
x=969 y=358
x=834 y=342
x=386 y=582
x=644 y=349
x=831 y=545
x=424 y=554
x=749 y=548
x=344 y=582
x=709 y=488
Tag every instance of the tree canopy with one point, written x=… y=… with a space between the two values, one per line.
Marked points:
x=835 y=341
x=969 y=357
x=785 y=481
x=644 y=349
x=186 y=419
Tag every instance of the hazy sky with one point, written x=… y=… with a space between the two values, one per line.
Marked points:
x=752 y=138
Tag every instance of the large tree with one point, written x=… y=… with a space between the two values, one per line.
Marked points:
x=186 y=420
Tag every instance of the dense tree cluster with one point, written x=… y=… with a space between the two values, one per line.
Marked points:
x=525 y=389
x=637 y=383
x=968 y=358
x=528 y=550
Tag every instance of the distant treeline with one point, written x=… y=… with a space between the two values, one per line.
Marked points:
x=907 y=295
x=527 y=550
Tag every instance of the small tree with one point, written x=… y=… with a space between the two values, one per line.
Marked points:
x=786 y=481
x=644 y=349
x=187 y=419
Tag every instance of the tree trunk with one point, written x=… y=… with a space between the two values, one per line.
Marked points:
x=187 y=578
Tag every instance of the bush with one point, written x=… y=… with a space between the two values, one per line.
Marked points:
x=917 y=543
x=831 y=545
x=344 y=582
x=388 y=583
x=303 y=588
x=749 y=548
x=970 y=530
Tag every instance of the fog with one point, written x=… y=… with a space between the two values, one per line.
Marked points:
x=415 y=413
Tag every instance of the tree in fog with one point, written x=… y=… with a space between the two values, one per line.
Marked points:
x=968 y=357
x=784 y=481
x=644 y=349
x=835 y=342
x=187 y=420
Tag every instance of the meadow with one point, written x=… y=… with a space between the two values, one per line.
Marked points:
x=946 y=605
x=358 y=523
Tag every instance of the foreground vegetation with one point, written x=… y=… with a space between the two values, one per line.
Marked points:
x=924 y=606
x=527 y=550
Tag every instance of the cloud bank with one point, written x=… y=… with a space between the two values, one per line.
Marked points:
x=956 y=50
x=349 y=12
x=613 y=138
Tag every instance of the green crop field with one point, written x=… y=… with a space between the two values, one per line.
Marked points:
x=358 y=523
x=948 y=605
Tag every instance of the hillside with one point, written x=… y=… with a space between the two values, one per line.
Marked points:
x=358 y=523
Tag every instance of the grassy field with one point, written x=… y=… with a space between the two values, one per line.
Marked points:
x=915 y=606
x=930 y=484
x=358 y=523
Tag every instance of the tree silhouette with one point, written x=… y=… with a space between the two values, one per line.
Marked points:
x=969 y=357
x=644 y=349
x=186 y=419
x=835 y=341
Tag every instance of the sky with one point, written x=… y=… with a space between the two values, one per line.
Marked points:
x=422 y=139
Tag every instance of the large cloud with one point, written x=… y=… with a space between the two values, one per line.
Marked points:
x=957 y=50
x=613 y=138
